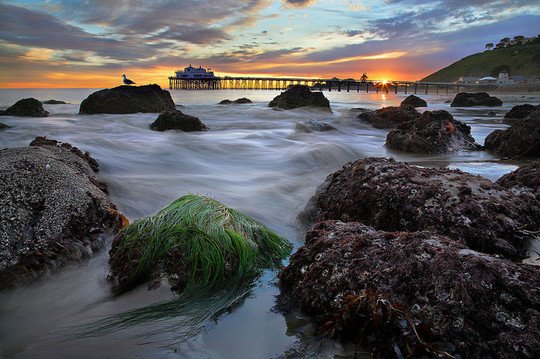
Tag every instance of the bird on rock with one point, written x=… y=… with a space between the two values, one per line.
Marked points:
x=127 y=81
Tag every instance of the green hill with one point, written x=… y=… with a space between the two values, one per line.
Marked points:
x=518 y=60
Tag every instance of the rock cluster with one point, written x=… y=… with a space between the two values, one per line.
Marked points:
x=414 y=101
x=299 y=96
x=241 y=100
x=519 y=111
x=389 y=117
x=432 y=132
x=314 y=125
x=53 y=102
x=419 y=262
x=176 y=120
x=525 y=177
x=465 y=99
x=28 y=107
x=128 y=99
x=53 y=210
x=522 y=139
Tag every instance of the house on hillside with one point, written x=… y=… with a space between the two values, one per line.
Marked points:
x=503 y=78
x=518 y=79
x=487 y=80
x=467 y=80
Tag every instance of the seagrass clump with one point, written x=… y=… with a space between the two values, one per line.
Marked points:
x=197 y=242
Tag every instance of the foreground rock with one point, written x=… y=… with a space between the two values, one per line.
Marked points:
x=28 y=107
x=53 y=102
x=176 y=120
x=128 y=99
x=465 y=99
x=314 y=125
x=241 y=100
x=395 y=196
x=525 y=177
x=522 y=139
x=389 y=117
x=519 y=111
x=413 y=295
x=414 y=101
x=54 y=209
x=299 y=96
x=433 y=132
x=3 y=126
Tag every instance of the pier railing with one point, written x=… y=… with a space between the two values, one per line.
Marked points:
x=279 y=83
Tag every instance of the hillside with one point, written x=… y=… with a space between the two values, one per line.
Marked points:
x=521 y=60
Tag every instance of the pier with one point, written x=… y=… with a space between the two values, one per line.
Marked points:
x=278 y=83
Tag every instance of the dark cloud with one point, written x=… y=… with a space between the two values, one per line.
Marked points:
x=298 y=3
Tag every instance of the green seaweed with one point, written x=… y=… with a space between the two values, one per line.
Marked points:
x=216 y=244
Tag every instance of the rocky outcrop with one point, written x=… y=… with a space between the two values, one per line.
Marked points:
x=522 y=139
x=53 y=102
x=465 y=99
x=525 y=177
x=3 y=126
x=413 y=295
x=241 y=100
x=299 y=96
x=519 y=111
x=176 y=120
x=314 y=125
x=433 y=132
x=27 y=107
x=128 y=99
x=414 y=101
x=394 y=196
x=389 y=117
x=54 y=209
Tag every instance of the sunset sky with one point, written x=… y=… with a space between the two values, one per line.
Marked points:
x=91 y=43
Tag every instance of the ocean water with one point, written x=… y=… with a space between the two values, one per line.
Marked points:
x=252 y=159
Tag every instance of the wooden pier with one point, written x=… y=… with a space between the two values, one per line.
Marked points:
x=268 y=83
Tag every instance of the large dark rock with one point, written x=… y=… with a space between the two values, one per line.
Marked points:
x=413 y=295
x=433 y=132
x=314 y=125
x=519 y=111
x=128 y=99
x=465 y=99
x=522 y=139
x=525 y=177
x=414 y=101
x=299 y=96
x=28 y=107
x=176 y=120
x=389 y=117
x=54 y=209
x=241 y=100
x=53 y=102
x=3 y=126
x=394 y=196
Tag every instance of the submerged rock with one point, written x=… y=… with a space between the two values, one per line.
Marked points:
x=27 y=107
x=389 y=117
x=465 y=99
x=176 y=120
x=3 y=126
x=414 y=101
x=522 y=139
x=394 y=196
x=525 y=177
x=314 y=125
x=413 y=295
x=53 y=102
x=241 y=100
x=299 y=96
x=128 y=99
x=54 y=209
x=433 y=132
x=519 y=111
x=195 y=242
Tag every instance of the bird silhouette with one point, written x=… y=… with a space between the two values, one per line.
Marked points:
x=127 y=81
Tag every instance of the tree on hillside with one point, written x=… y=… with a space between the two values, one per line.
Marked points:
x=500 y=45
x=505 y=40
x=489 y=46
x=519 y=39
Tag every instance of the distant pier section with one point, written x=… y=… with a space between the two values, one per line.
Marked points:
x=192 y=78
